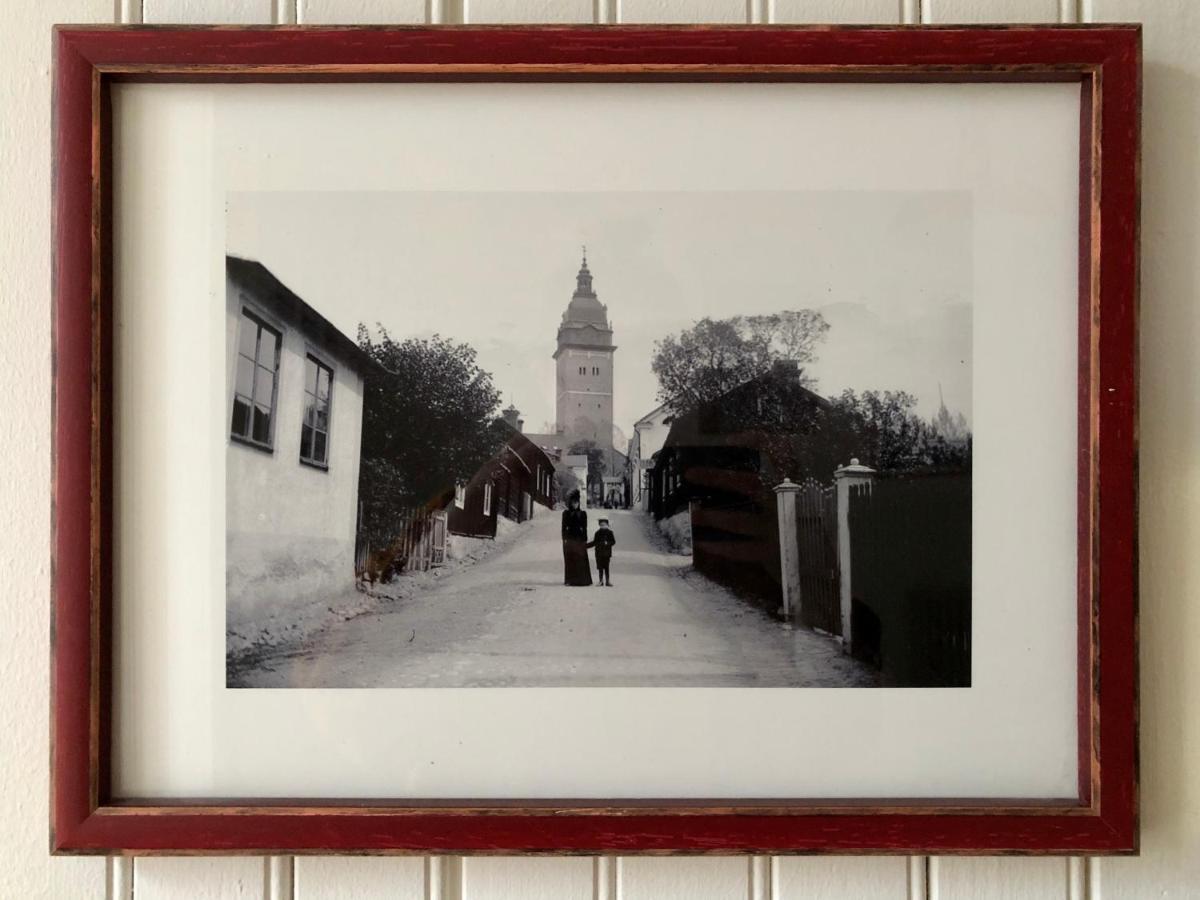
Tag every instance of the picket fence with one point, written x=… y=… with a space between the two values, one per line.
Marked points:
x=419 y=544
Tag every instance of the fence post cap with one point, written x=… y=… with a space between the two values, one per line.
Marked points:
x=853 y=469
x=786 y=486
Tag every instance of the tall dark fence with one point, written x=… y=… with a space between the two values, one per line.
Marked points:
x=910 y=564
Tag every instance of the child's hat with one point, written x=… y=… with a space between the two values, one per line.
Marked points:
x=604 y=521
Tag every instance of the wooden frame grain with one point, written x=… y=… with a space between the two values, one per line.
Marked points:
x=1106 y=63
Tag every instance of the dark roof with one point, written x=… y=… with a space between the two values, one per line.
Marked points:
x=273 y=293
x=523 y=447
x=732 y=418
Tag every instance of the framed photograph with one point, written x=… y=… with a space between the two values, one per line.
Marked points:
x=566 y=440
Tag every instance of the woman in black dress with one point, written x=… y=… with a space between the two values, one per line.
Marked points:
x=577 y=571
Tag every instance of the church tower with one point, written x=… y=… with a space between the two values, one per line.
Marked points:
x=584 y=358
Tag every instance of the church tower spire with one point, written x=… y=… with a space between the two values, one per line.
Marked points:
x=583 y=281
x=584 y=362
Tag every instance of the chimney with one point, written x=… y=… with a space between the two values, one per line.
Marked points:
x=512 y=416
x=521 y=425
x=787 y=368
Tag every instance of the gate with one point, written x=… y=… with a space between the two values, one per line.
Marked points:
x=437 y=550
x=816 y=540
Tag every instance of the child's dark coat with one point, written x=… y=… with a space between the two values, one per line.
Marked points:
x=603 y=542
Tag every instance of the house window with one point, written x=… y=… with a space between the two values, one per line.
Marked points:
x=255 y=383
x=314 y=431
x=460 y=495
x=487 y=498
x=595 y=370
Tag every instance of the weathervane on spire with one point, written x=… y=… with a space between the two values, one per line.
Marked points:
x=585 y=254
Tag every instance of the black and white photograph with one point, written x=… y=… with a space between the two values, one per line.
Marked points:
x=598 y=439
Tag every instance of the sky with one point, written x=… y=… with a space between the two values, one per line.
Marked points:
x=891 y=272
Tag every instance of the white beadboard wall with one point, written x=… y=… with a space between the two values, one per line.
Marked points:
x=1169 y=866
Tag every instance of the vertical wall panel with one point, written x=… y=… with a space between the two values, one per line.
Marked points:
x=206 y=12
x=279 y=884
x=530 y=878
x=837 y=12
x=530 y=11
x=199 y=878
x=945 y=12
x=361 y=12
x=447 y=12
x=1002 y=878
x=684 y=878
x=839 y=877
x=1169 y=865
x=129 y=12
x=359 y=878
x=729 y=11
x=119 y=874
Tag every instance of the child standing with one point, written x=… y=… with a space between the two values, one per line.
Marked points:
x=603 y=542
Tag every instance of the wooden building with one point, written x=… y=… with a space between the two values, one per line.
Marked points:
x=720 y=463
x=518 y=476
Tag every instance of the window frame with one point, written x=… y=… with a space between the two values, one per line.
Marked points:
x=322 y=363
x=247 y=311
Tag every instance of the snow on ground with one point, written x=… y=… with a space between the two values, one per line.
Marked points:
x=677 y=529
x=508 y=620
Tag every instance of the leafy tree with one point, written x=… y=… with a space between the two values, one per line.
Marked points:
x=384 y=492
x=429 y=419
x=950 y=426
x=716 y=355
x=565 y=482
x=881 y=429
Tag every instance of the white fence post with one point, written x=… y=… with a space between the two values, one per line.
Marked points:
x=846 y=477
x=789 y=550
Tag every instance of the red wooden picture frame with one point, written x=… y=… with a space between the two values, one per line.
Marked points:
x=1104 y=61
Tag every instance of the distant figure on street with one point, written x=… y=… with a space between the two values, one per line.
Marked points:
x=603 y=542
x=577 y=572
